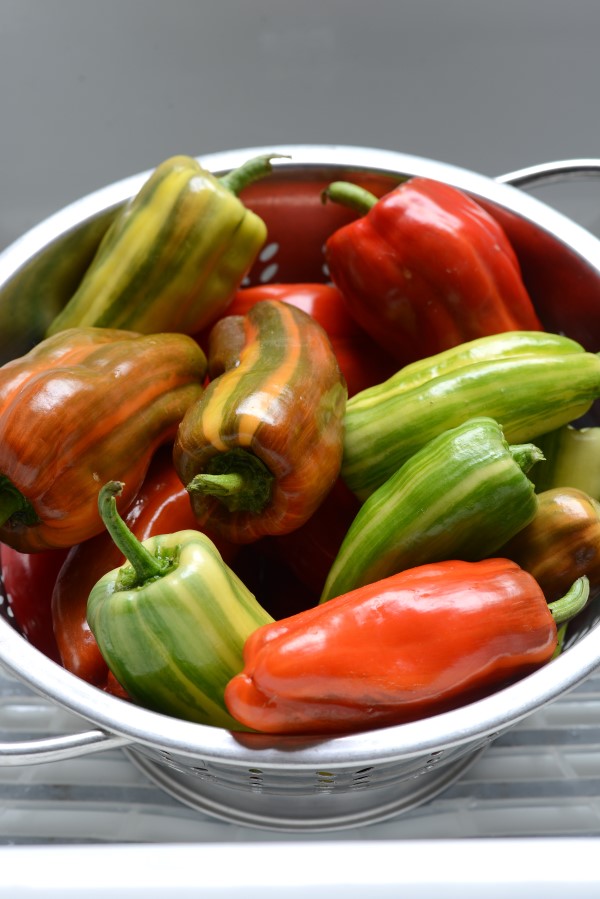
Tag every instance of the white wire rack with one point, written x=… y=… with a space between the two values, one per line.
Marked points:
x=540 y=779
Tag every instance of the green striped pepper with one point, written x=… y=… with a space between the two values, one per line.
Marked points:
x=171 y=622
x=262 y=447
x=461 y=496
x=530 y=383
x=174 y=255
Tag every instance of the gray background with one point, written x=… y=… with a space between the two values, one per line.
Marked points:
x=94 y=90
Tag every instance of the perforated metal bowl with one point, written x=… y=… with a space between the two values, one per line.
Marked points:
x=307 y=784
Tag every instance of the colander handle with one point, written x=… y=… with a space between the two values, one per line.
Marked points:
x=552 y=172
x=55 y=749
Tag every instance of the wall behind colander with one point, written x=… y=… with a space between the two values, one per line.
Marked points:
x=94 y=91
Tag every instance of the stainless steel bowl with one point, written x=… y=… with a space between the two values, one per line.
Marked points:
x=306 y=784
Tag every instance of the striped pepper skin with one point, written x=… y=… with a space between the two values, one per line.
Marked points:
x=262 y=446
x=362 y=362
x=84 y=405
x=461 y=496
x=561 y=543
x=416 y=644
x=529 y=392
x=174 y=255
x=171 y=622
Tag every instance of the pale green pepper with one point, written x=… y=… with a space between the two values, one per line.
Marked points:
x=171 y=622
x=572 y=460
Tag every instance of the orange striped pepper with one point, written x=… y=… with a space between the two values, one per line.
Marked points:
x=85 y=406
x=262 y=446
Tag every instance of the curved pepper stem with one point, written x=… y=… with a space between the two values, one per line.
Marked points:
x=238 y=479
x=350 y=195
x=253 y=170
x=572 y=603
x=146 y=566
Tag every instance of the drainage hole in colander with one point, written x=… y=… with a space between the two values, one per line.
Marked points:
x=325 y=780
x=269 y=251
x=255 y=779
x=361 y=778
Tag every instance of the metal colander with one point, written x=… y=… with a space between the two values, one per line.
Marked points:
x=309 y=784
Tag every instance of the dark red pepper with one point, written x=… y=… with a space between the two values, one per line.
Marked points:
x=426 y=268
x=311 y=549
x=28 y=583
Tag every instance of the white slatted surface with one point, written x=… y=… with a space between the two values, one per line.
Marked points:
x=541 y=779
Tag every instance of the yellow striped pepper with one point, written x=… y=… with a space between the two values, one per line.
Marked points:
x=175 y=254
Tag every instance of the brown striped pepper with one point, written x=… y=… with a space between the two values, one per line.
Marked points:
x=262 y=446
x=561 y=543
x=83 y=407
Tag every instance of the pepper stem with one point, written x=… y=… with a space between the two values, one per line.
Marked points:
x=560 y=639
x=572 y=603
x=526 y=455
x=350 y=195
x=238 y=479
x=145 y=565
x=252 y=170
x=13 y=502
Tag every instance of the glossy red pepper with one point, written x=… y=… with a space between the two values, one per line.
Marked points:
x=161 y=507
x=361 y=360
x=28 y=583
x=412 y=645
x=426 y=268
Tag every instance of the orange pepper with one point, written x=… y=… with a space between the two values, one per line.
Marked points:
x=411 y=645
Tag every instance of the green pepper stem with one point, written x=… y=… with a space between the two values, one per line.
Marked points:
x=9 y=504
x=350 y=195
x=236 y=478
x=526 y=455
x=145 y=565
x=572 y=603
x=252 y=170
x=12 y=501
x=560 y=639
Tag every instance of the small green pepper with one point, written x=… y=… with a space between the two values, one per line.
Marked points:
x=171 y=622
x=454 y=499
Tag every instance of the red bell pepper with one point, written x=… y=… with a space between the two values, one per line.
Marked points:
x=161 y=506
x=28 y=583
x=361 y=360
x=426 y=268
x=409 y=646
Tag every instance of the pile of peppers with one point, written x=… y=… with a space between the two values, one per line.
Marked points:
x=299 y=508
